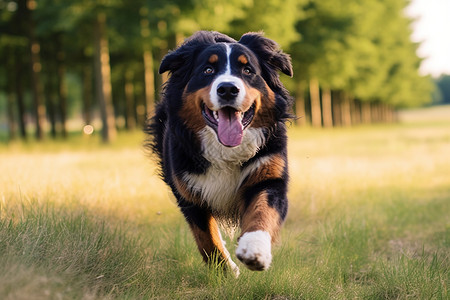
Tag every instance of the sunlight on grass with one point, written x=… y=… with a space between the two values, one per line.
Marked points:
x=120 y=184
x=368 y=218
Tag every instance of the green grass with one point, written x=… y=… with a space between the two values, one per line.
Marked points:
x=369 y=218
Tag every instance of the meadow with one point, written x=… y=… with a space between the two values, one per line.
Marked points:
x=369 y=218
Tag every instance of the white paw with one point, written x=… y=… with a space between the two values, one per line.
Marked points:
x=254 y=250
x=234 y=268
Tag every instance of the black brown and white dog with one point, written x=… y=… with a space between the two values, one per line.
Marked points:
x=220 y=135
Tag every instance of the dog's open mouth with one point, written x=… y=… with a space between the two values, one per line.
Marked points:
x=228 y=123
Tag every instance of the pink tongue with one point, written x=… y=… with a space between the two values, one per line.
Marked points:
x=230 y=127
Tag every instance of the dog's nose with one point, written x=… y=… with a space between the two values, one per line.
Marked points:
x=227 y=91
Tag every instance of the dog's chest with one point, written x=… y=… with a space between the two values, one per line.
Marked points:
x=219 y=185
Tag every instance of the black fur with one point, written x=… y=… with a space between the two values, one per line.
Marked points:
x=178 y=148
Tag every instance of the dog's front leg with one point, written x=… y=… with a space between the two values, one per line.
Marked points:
x=260 y=223
x=207 y=236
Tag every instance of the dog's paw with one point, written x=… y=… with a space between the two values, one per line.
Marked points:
x=254 y=250
x=234 y=269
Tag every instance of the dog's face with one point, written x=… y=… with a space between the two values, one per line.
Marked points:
x=227 y=88
x=227 y=84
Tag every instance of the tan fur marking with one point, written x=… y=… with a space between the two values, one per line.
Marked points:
x=215 y=237
x=271 y=170
x=252 y=95
x=260 y=216
x=265 y=116
x=191 y=110
x=184 y=191
x=213 y=59
x=242 y=59
x=209 y=241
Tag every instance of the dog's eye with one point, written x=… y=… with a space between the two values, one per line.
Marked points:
x=247 y=71
x=208 y=70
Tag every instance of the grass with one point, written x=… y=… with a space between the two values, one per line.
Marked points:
x=369 y=218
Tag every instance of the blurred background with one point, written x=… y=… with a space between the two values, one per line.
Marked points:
x=84 y=214
x=84 y=67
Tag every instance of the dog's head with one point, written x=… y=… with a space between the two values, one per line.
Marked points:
x=228 y=85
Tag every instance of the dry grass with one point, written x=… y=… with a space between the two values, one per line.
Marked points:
x=368 y=219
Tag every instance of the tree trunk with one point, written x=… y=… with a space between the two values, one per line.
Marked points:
x=365 y=110
x=61 y=84
x=103 y=79
x=381 y=112
x=389 y=113
x=326 y=108
x=393 y=114
x=10 y=110
x=130 y=120
x=87 y=94
x=19 y=97
x=300 y=104
x=149 y=78
x=10 y=89
x=395 y=117
x=140 y=110
x=336 y=105
x=345 y=110
x=375 y=112
x=50 y=92
x=21 y=66
x=36 y=87
x=316 y=115
x=355 y=111
x=386 y=113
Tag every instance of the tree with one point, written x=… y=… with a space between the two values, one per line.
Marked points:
x=353 y=61
x=25 y=13
x=103 y=78
x=443 y=84
x=147 y=55
x=361 y=50
x=275 y=18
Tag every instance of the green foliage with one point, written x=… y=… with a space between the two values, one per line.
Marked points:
x=361 y=48
x=275 y=18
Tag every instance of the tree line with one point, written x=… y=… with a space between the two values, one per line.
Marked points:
x=353 y=61
x=441 y=94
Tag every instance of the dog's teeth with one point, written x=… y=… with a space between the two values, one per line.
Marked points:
x=216 y=115
x=242 y=115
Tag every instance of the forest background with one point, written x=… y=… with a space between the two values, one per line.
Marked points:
x=84 y=214
x=68 y=64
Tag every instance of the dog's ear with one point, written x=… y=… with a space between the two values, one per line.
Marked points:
x=171 y=62
x=268 y=52
x=185 y=54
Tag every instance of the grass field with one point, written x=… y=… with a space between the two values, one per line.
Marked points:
x=369 y=219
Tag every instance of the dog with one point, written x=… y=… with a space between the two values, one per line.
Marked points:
x=219 y=133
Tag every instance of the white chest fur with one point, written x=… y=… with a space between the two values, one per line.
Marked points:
x=220 y=184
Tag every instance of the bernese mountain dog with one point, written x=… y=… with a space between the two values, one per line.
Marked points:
x=220 y=137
